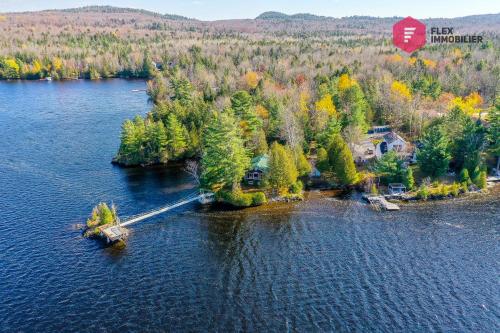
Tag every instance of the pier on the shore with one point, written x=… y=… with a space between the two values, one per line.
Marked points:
x=379 y=202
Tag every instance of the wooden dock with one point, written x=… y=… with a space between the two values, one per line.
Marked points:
x=114 y=233
x=380 y=203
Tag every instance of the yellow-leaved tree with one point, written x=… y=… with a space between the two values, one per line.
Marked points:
x=251 y=79
x=345 y=82
x=36 y=67
x=304 y=101
x=400 y=90
x=261 y=111
x=325 y=104
x=429 y=63
x=394 y=58
x=11 y=63
x=57 y=64
x=469 y=104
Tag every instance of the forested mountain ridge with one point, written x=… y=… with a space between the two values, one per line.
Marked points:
x=120 y=10
x=265 y=22
x=282 y=16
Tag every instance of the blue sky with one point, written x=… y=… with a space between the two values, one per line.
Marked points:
x=225 y=9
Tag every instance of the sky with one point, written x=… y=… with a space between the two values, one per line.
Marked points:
x=232 y=9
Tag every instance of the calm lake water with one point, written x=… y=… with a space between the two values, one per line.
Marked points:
x=325 y=264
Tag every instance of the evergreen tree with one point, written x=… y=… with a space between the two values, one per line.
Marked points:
x=341 y=161
x=128 y=146
x=182 y=90
x=241 y=103
x=148 y=69
x=390 y=168
x=408 y=179
x=433 y=158
x=331 y=130
x=481 y=180
x=494 y=132
x=354 y=106
x=322 y=160
x=275 y=108
x=105 y=214
x=176 y=137
x=224 y=160
x=157 y=90
x=464 y=177
x=301 y=162
x=282 y=170
x=131 y=150
x=156 y=142
x=470 y=147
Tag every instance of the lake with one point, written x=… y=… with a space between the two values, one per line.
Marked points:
x=325 y=264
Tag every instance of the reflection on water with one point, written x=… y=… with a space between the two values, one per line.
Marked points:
x=328 y=263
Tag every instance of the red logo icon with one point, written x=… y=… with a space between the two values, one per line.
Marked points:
x=408 y=34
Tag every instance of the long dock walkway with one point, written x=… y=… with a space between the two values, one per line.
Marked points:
x=161 y=210
x=119 y=231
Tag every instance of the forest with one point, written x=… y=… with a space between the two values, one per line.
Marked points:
x=302 y=90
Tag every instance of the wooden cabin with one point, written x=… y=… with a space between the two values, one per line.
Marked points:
x=259 y=168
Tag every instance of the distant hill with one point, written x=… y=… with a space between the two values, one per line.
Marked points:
x=272 y=22
x=283 y=16
x=121 y=10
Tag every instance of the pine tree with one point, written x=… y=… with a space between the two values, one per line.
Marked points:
x=131 y=150
x=241 y=103
x=464 y=177
x=127 y=151
x=481 y=180
x=390 y=168
x=322 y=160
x=282 y=170
x=224 y=160
x=341 y=161
x=332 y=129
x=182 y=90
x=176 y=137
x=105 y=214
x=494 y=132
x=433 y=158
x=470 y=146
x=148 y=70
x=157 y=142
x=408 y=179
x=354 y=106
x=301 y=162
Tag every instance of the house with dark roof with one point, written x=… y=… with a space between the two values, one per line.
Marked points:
x=390 y=141
x=259 y=168
x=378 y=141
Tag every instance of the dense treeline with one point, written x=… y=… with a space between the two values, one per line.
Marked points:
x=28 y=67
x=223 y=93
x=108 y=42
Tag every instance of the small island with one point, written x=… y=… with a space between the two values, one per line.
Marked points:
x=103 y=224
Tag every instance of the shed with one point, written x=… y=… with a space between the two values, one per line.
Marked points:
x=397 y=188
